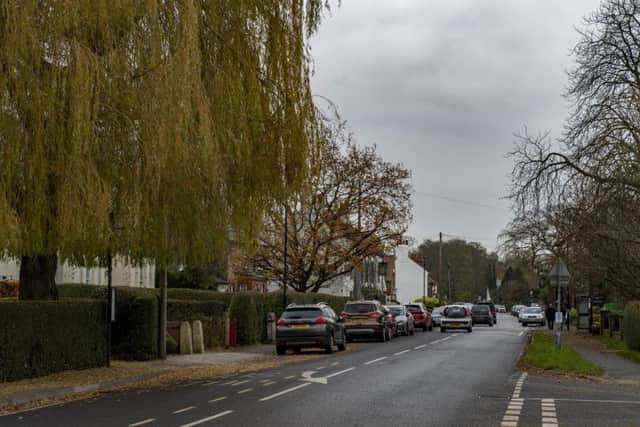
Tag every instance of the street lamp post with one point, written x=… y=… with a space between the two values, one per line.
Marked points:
x=424 y=279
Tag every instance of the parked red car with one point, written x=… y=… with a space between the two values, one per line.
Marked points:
x=421 y=316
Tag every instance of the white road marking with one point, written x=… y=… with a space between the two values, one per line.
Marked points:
x=509 y=424
x=217 y=399
x=230 y=382
x=246 y=390
x=628 y=402
x=210 y=383
x=344 y=371
x=188 y=408
x=264 y=381
x=204 y=420
x=401 y=352
x=320 y=368
x=335 y=363
x=268 y=383
x=375 y=360
x=308 y=376
x=521 y=333
x=240 y=382
x=280 y=393
x=289 y=377
x=143 y=422
x=419 y=347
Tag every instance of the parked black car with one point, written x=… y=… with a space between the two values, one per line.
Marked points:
x=310 y=325
x=481 y=314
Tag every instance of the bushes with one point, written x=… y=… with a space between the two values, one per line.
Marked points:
x=249 y=316
x=631 y=326
x=134 y=334
x=9 y=289
x=41 y=337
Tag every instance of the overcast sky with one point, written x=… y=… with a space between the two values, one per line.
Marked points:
x=441 y=86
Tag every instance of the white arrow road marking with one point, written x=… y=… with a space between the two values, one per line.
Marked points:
x=280 y=393
x=307 y=376
x=344 y=371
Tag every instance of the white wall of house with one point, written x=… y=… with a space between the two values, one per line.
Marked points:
x=341 y=286
x=409 y=276
x=123 y=274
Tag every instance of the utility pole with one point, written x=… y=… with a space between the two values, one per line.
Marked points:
x=450 y=297
x=357 y=277
x=440 y=276
x=286 y=265
x=424 y=279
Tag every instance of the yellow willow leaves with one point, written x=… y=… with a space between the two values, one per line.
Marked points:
x=152 y=127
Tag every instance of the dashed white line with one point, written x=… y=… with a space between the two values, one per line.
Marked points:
x=402 y=352
x=320 y=368
x=264 y=381
x=419 y=347
x=521 y=333
x=344 y=371
x=285 y=391
x=335 y=363
x=217 y=399
x=268 y=383
x=375 y=360
x=246 y=390
x=204 y=420
x=188 y=408
x=289 y=377
x=143 y=422
x=240 y=382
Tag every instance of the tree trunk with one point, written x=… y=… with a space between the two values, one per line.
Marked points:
x=38 y=277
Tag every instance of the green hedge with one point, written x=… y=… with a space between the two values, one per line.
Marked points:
x=631 y=326
x=42 y=337
x=248 y=312
x=210 y=313
x=134 y=334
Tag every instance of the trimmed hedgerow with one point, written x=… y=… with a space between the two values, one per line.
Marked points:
x=631 y=326
x=42 y=337
x=210 y=313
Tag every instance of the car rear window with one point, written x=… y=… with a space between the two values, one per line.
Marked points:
x=396 y=310
x=437 y=310
x=456 y=312
x=302 y=313
x=480 y=309
x=360 y=308
x=413 y=307
x=532 y=310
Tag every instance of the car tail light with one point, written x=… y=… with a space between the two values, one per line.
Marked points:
x=344 y=315
x=281 y=322
x=321 y=320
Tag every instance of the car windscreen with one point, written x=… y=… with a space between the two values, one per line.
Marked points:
x=302 y=313
x=360 y=308
x=456 y=312
x=413 y=307
x=532 y=310
x=396 y=311
x=480 y=309
x=437 y=310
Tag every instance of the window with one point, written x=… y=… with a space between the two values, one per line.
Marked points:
x=302 y=313
x=360 y=308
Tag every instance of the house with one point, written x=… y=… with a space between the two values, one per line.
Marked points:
x=122 y=274
x=411 y=278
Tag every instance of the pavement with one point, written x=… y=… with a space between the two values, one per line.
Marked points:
x=435 y=379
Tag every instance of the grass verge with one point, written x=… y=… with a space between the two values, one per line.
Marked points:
x=618 y=347
x=541 y=354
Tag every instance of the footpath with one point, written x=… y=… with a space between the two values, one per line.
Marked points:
x=126 y=375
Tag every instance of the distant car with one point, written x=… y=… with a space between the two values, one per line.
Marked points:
x=481 y=314
x=529 y=315
x=309 y=325
x=492 y=307
x=421 y=315
x=405 y=323
x=456 y=317
x=515 y=309
x=366 y=319
x=501 y=308
x=436 y=315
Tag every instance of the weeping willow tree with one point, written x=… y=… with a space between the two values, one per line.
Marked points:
x=152 y=129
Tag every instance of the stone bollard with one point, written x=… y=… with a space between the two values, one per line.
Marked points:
x=186 y=345
x=271 y=327
x=198 y=337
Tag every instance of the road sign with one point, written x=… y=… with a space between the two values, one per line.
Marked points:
x=559 y=275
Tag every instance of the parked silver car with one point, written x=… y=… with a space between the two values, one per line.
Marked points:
x=436 y=315
x=529 y=315
x=405 y=324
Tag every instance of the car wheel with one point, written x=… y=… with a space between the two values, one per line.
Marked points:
x=491 y=324
x=343 y=345
x=443 y=330
x=329 y=348
x=412 y=331
x=281 y=350
x=431 y=326
x=424 y=328
x=470 y=329
x=524 y=324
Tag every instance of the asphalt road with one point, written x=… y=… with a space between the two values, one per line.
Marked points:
x=452 y=379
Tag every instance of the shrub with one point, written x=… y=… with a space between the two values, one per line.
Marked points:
x=42 y=337
x=134 y=334
x=172 y=345
x=9 y=289
x=430 y=302
x=200 y=295
x=631 y=326
x=210 y=313
x=244 y=309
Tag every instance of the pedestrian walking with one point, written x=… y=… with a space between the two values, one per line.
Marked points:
x=550 y=312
